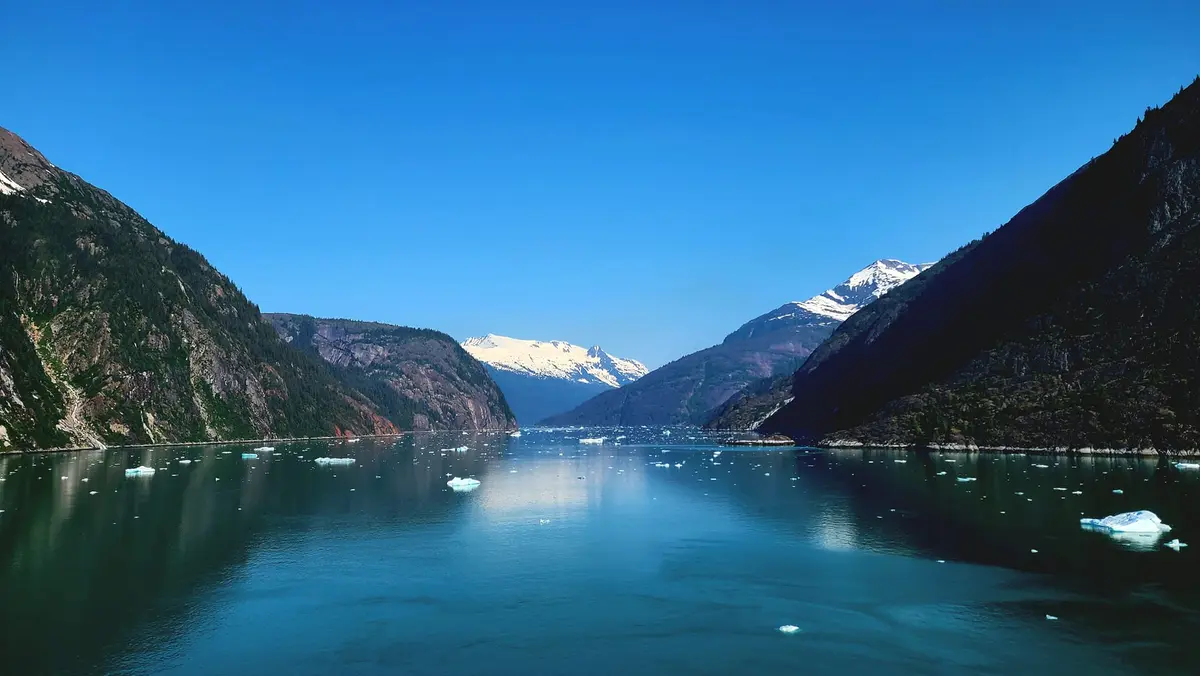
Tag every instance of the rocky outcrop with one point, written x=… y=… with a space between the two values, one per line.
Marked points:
x=421 y=379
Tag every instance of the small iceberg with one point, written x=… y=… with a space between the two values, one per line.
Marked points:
x=667 y=433
x=1176 y=544
x=459 y=484
x=942 y=473
x=1118 y=491
x=515 y=434
x=185 y=461
x=1188 y=465
x=1142 y=522
x=456 y=449
x=249 y=456
x=592 y=440
x=264 y=449
x=1051 y=618
x=139 y=471
x=964 y=479
x=334 y=461
x=789 y=629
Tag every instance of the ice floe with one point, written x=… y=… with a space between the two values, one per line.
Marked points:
x=1141 y=522
x=139 y=471
x=334 y=461
x=460 y=484
x=1176 y=544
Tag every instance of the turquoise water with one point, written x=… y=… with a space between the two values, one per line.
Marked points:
x=572 y=558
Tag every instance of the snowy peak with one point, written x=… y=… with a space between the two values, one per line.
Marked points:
x=554 y=359
x=837 y=304
x=863 y=287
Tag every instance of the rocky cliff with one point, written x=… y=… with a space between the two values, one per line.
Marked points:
x=421 y=379
x=111 y=332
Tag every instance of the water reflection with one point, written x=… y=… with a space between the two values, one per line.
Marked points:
x=697 y=553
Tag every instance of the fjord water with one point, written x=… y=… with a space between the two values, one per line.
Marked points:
x=573 y=558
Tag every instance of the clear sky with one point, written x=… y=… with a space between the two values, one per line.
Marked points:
x=641 y=175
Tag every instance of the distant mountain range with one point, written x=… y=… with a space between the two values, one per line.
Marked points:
x=689 y=389
x=542 y=378
x=111 y=333
x=1075 y=325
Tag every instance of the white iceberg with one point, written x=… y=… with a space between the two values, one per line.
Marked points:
x=1141 y=521
x=185 y=461
x=457 y=449
x=139 y=471
x=1188 y=465
x=592 y=440
x=515 y=433
x=334 y=461
x=460 y=484
x=789 y=629
x=249 y=456
x=1176 y=544
x=264 y=449
x=965 y=478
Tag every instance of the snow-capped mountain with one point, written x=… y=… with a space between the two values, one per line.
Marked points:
x=691 y=388
x=837 y=304
x=542 y=378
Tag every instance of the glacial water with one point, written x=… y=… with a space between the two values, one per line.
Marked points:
x=654 y=556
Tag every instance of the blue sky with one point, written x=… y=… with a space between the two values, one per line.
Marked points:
x=643 y=176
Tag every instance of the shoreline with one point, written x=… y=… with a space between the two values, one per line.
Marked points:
x=234 y=442
x=1031 y=450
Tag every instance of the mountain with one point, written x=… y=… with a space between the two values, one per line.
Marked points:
x=542 y=378
x=1076 y=324
x=687 y=390
x=421 y=379
x=111 y=332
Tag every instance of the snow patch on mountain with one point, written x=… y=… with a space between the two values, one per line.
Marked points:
x=554 y=359
x=837 y=304
x=9 y=186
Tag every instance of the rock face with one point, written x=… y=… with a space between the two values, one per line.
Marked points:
x=110 y=332
x=542 y=378
x=1073 y=325
x=420 y=379
x=689 y=389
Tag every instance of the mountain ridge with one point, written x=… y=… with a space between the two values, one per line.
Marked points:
x=1070 y=326
x=541 y=378
x=689 y=389
x=113 y=333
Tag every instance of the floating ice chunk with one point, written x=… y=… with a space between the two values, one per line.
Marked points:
x=789 y=629
x=185 y=461
x=515 y=433
x=460 y=484
x=1051 y=618
x=1176 y=544
x=355 y=441
x=592 y=440
x=1076 y=492
x=1059 y=489
x=249 y=456
x=1118 y=491
x=620 y=438
x=1041 y=466
x=900 y=461
x=456 y=449
x=264 y=449
x=1141 y=521
x=964 y=479
x=139 y=471
x=1188 y=465
x=334 y=461
x=942 y=473
x=93 y=492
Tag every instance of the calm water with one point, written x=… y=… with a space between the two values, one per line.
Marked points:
x=589 y=560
